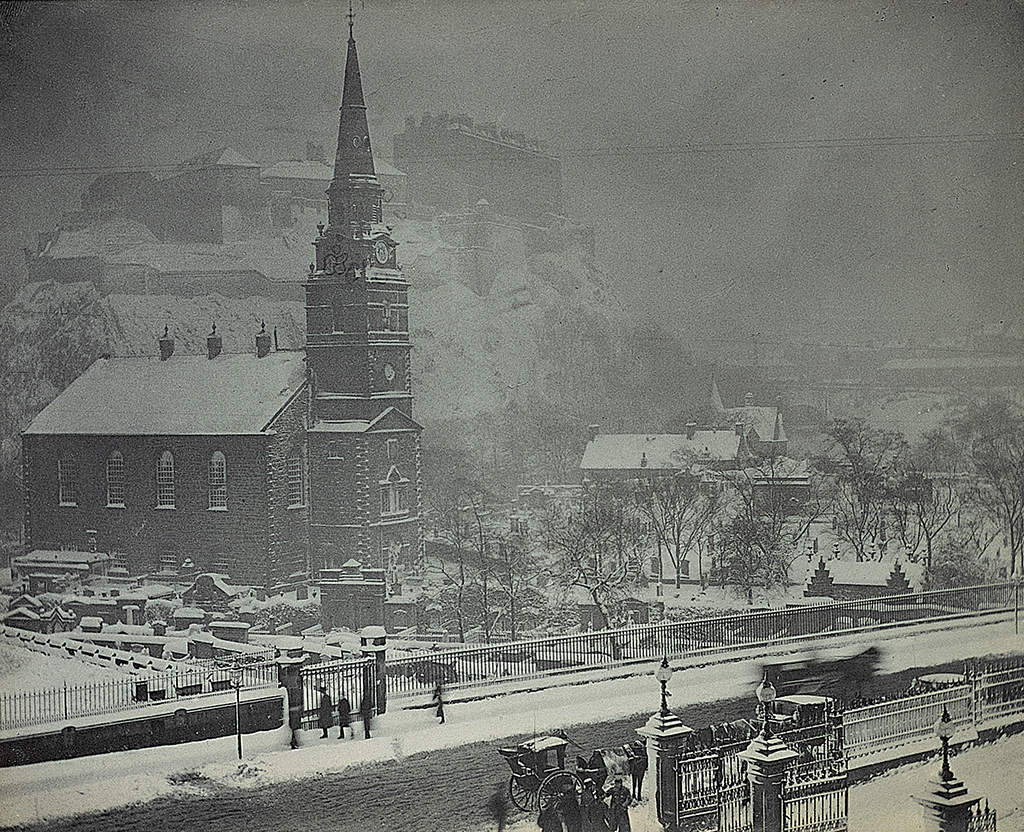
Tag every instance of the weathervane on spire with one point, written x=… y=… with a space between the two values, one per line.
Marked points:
x=350 y=17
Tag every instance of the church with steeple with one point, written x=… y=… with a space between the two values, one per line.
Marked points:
x=272 y=467
x=362 y=435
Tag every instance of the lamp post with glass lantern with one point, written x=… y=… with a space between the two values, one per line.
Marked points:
x=665 y=737
x=944 y=730
x=765 y=697
x=236 y=683
x=767 y=758
x=664 y=674
x=947 y=806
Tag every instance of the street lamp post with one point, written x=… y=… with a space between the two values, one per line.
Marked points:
x=236 y=683
x=663 y=674
x=765 y=697
x=944 y=730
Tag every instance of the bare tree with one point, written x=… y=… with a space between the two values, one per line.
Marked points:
x=995 y=433
x=926 y=496
x=598 y=548
x=770 y=506
x=515 y=569
x=678 y=508
x=870 y=464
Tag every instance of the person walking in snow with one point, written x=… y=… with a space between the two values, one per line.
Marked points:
x=344 y=717
x=592 y=808
x=549 y=820
x=326 y=712
x=366 y=712
x=618 y=810
x=438 y=700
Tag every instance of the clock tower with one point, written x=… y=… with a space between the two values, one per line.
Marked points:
x=357 y=299
x=364 y=447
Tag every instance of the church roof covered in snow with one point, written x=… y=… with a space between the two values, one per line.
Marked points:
x=626 y=451
x=184 y=395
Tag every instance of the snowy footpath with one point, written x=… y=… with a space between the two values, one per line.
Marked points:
x=68 y=787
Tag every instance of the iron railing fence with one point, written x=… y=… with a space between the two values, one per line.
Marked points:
x=981 y=820
x=349 y=679
x=887 y=725
x=815 y=797
x=999 y=691
x=71 y=702
x=487 y=664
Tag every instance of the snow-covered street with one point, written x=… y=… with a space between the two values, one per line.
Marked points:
x=64 y=788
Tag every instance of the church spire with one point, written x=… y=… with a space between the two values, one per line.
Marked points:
x=354 y=194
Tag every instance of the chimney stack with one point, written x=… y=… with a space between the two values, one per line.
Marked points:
x=592 y=432
x=213 y=344
x=691 y=429
x=262 y=341
x=166 y=343
x=739 y=428
x=748 y=400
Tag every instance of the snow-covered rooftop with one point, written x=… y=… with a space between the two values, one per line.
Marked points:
x=624 y=451
x=184 y=395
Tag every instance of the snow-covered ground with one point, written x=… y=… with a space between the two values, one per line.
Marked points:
x=67 y=787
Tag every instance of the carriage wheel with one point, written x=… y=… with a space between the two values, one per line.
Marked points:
x=557 y=784
x=524 y=798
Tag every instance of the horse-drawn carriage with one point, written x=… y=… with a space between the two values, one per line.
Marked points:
x=537 y=780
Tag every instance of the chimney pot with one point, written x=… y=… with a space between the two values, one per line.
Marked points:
x=592 y=430
x=214 y=344
x=166 y=343
x=739 y=428
x=262 y=341
x=691 y=429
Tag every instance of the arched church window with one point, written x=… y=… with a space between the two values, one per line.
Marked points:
x=115 y=480
x=296 y=478
x=218 y=476
x=66 y=482
x=394 y=493
x=165 y=480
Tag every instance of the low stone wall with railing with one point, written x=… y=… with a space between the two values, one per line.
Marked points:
x=487 y=664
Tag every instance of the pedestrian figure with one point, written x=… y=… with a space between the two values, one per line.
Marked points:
x=439 y=701
x=326 y=712
x=366 y=712
x=618 y=809
x=498 y=806
x=549 y=820
x=592 y=808
x=344 y=717
x=569 y=808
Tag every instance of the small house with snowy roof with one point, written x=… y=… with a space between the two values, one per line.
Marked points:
x=843 y=580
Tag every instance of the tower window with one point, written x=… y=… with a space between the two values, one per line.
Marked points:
x=394 y=493
x=115 y=480
x=296 y=480
x=165 y=480
x=218 y=481
x=393 y=498
x=66 y=476
x=391 y=446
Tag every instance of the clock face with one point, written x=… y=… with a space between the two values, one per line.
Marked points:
x=381 y=252
x=389 y=372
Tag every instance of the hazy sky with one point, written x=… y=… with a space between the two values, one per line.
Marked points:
x=806 y=170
